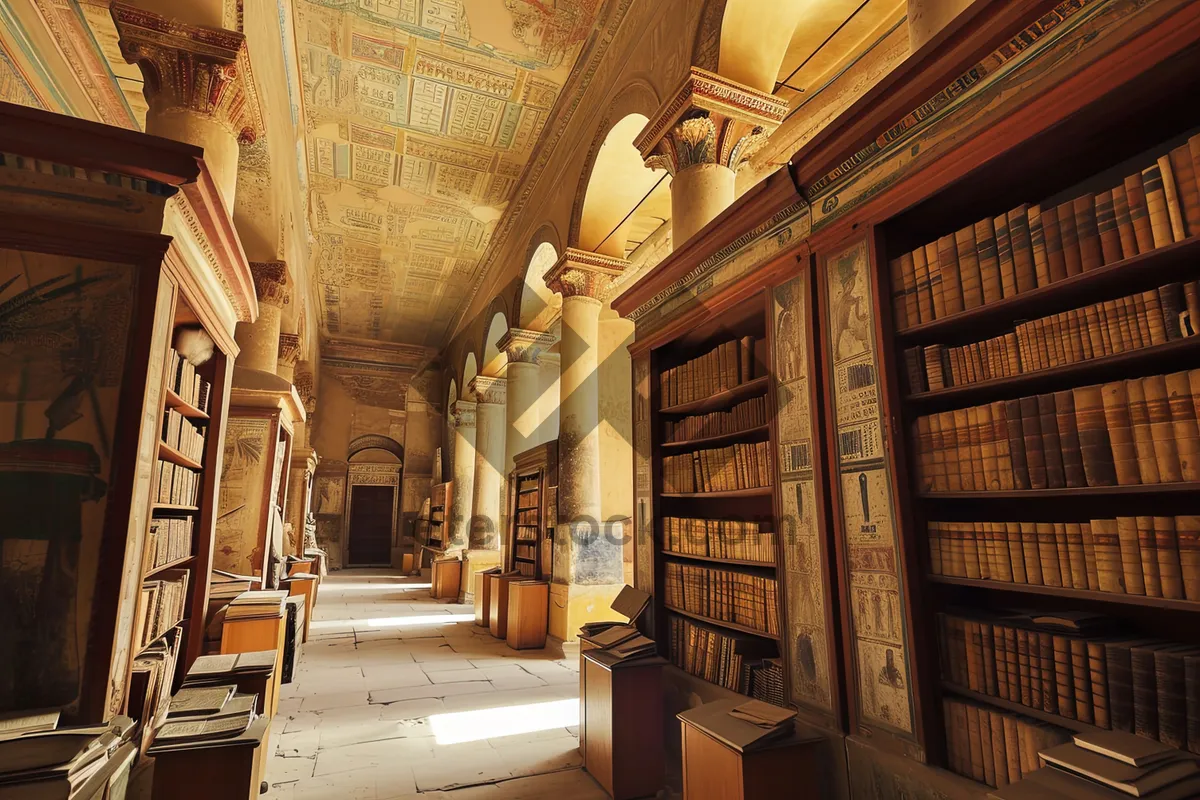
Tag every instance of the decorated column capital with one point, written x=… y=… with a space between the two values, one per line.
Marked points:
x=709 y=120
x=272 y=283
x=524 y=346
x=304 y=383
x=488 y=391
x=192 y=68
x=289 y=350
x=580 y=273
x=461 y=414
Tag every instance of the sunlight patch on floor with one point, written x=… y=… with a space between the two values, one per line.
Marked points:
x=492 y=723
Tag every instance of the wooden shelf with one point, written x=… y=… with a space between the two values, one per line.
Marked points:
x=720 y=400
x=1029 y=711
x=718 y=439
x=526 y=560
x=730 y=561
x=168 y=453
x=174 y=507
x=1147 y=490
x=172 y=400
x=1073 y=594
x=1147 y=360
x=1124 y=277
x=527 y=491
x=758 y=491
x=733 y=626
x=169 y=565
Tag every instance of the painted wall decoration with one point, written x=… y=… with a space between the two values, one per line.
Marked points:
x=803 y=551
x=64 y=329
x=330 y=495
x=643 y=519
x=876 y=607
x=243 y=493
x=420 y=117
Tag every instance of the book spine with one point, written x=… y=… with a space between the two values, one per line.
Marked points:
x=1120 y=433
x=1187 y=539
x=1187 y=187
x=1170 y=572
x=1081 y=676
x=1148 y=551
x=1070 y=238
x=1098 y=676
x=1183 y=421
x=1109 y=567
x=1156 y=205
x=1055 y=260
x=1145 y=693
x=1124 y=222
x=968 y=264
x=1032 y=433
x=1064 y=682
x=1004 y=254
x=1068 y=439
x=1051 y=442
x=1022 y=248
x=951 y=277
x=1139 y=213
x=1191 y=688
x=1037 y=241
x=1048 y=555
x=1118 y=659
x=1174 y=203
x=1162 y=428
x=1131 y=556
x=1089 y=556
x=937 y=286
x=1094 y=447
x=1106 y=225
x=1090 y=253
x=915 y=264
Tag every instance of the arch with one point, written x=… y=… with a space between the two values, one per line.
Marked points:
x=494 y=359
x=469 y=371
x=538 y=304
x=373 y=441
x=614 y=176
x=754 y=40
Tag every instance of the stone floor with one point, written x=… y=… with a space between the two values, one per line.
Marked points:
x=400 y=696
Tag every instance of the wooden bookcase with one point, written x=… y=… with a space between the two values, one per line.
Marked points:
x=439 y=505
x=532 y=493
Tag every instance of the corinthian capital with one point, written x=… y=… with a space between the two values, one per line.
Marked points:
x=582 y=274
x=709 y=120
x=191 y=68
x=289 y=350
x=462 y=414
x=488 y=391
x=272 y=283
x=523 y=346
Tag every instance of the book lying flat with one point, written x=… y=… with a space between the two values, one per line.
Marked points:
x=632 y=648
x=717 y=721
x=15 y=723
x=612 y=636
x=192 y=701
x=66 y=748
x=1051 y=783
x=1132 y=780
x=1127 y=747
x=762 y=715
x=192 y=730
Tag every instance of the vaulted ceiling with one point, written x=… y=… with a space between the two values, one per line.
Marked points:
x=420 y=116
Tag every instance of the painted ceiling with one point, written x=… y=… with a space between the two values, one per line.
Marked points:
x=420 y=116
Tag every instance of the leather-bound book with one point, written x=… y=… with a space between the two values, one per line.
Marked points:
x=1032 y=432
x=975 y=427
x=1089 y=235
x=1012 y=747
x=1191 y=688
x=1094 y=446
x=962 y=427
x=1002 y=566
x=937 y=286
x=1069 y=232
x=1124 y=222
x=968 y=267
x=1064 y=682
x=1171 y=298
x=937 y=454
x=989 y=659
x=1098 y=669
x=915 y=262
x=1037 y=241
x=1171 y=687
x=1016 y=553
x=1170 y=571
x=1106 y=224
x=951 y=277
x=1004 y=254
x=1120 y=433
x=1026 y=684
x=1031 y=553
x=1139 y=212
x=1154 y=317
x=1001 y=659
x=1081 y=675
x=987 y=446
x=1183 y=421
x=1162 y=429
x=999 y=751
x=1156 y=205
x=1051 y=443
x=1143 y=438
x=1068 y=439
x=1145 y=690
x=1079 y=566
x=950 y=434
x=1106 y=540
x=923 y=437
x=1187 y=537
x=971 y=555
x=1095 y=330
x=989 y=260
x=1048 y=554
x=1135 y=307
x=1004 y=464
x=1191 y=299
x=1056 y=262
x=1046 y=670
x=985 y=744
x=1187 y=187
x=974 y=656
x=1131 y=556
x=1174 y=201
x=1118 y=657
x=1022 y=248
x=974 y=743
x=1148 y=550
x=1016 y=444
x=1012 y=667
x=1089 y=556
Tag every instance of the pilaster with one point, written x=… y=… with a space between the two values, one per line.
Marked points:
x=461 y=416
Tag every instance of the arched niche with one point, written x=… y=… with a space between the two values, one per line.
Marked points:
x=494 y=359
x=539 y=305
x=618 y=182
x=754 y=39
x=377 y=444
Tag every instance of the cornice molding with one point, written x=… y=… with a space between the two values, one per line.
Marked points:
x=580 y=273
x=524 y=346
x=488 y=391
x=461 y=414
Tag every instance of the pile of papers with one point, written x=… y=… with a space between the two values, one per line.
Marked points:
x=199 y=714
x=257 y=605
x=40 y=761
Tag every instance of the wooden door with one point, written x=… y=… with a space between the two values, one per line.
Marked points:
x=371 y=524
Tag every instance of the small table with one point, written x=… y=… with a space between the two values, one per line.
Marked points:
x=528 y=614
x=498 y=604
x=622 y=714
x=722 y=760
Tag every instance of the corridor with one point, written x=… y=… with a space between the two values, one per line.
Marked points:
x=400 y=696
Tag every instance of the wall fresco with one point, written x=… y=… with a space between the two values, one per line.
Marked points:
x=243 y=483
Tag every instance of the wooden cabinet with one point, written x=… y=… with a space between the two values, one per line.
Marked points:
x=533 y=512
x=528 y=614
x=623 y=708
x=445 y=579
x=498 y=603
x=221 y=770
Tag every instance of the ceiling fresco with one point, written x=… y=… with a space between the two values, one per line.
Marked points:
x=420 y=116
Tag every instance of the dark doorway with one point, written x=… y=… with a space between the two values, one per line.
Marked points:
x=371 y=525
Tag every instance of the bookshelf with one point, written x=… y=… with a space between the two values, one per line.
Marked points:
x=439 y=503
x=1028 y=434
x=533 y=489
x=713 y=488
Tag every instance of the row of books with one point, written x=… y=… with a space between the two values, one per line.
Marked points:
x=182 y=435
x=1105 y=764
x=150 y=682
x=718 y=538
x=716 y=657
x=170 y=540
x=721 y=469
x=719 y=594
x=527 y=517
x=1137 y=431
x=744 y=416
x=183 y=380
x=1103 y=329
x=1134 y=684
x=1034 y=246
x=722 y=368
x=1152 y=556
x=995 y=747
x=177 y=484
x=161 y=604
x=39 y=760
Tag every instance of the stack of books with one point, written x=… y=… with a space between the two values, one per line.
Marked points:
x=182 y=435
x=723 y=658
x=743 y=725
x=170 y=540
x=161 y=604
x=1151 y=556
x=203 y=713
x=1033 y=246
x=745 y=415
x=40 y=761
x=766 y=681
x=718 y=538
x=257 y=605
x=737 y=597
x=722 y=368
x=183 y=380
x=1109 y=766
x=739 y=466
x=623 y=642
x=150 y=682
x=1122 y=433
x=992 y=746
x=770 y=720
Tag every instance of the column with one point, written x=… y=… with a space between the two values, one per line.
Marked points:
x=549 y=370
x=927 y=17
x=259 y=340
x=461 y=416
x=587 y=564
x=198 y=84
x=700 y=135
x=524 y=408
x=486 y=492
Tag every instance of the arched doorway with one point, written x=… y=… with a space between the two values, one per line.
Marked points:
x=373 y=477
